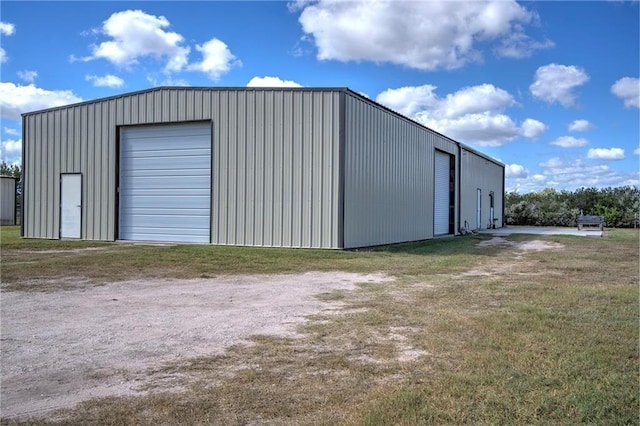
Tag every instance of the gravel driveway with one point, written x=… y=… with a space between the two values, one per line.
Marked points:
x=63 y=347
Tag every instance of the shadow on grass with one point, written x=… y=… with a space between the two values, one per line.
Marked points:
x=446 y=246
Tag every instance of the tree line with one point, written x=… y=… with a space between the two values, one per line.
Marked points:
x=620 y=206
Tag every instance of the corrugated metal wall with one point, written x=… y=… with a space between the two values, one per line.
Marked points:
x=78 y=139
x=388 y=176
x=7 y=200
x=276 y=168
x=478 y=172
x=275 y=162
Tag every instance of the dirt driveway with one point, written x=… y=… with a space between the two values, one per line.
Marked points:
x=63 y=347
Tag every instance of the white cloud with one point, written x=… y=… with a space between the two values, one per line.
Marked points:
x=555 y=83
x=580 y=126
x=636 y=151
x=28 y=75
x=268 y=81
x=553 y=162
x=422 y=35
x=569 y=142
x=7 y=28
x=11 y=151
x=17 y=99
x=217 y=59
x=483 y=129
x=628 y=89
x=10 y=131
x=477 y=99
x=106 y=81
x=468 y=100
x=519 y=45
x=472 y=114
x=166 y=81
x=606 y=154
x=515 y=171
x=532 y=129
x=10 y=146
x=572 y=174
x=409 y=100
x=135 y=34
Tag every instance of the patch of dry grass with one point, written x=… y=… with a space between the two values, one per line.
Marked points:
x=47 y=265
x=537 y=337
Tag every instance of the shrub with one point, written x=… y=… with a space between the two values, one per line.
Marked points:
x=620 y=207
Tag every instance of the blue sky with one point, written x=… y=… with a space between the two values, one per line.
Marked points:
x=550 y=89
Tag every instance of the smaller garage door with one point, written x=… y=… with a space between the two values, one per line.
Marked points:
x=165 y=183
x=441 y=194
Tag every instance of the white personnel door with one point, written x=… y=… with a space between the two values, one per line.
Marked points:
x=70 y=205
x=479 y=210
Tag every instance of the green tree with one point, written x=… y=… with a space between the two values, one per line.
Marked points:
x=13 y=170
x=620 y=206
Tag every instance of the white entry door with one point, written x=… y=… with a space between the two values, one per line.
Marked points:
x=71 y=205
x=479 y=210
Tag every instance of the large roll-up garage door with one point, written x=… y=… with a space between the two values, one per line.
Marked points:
x=165 y=183
x=441 y=194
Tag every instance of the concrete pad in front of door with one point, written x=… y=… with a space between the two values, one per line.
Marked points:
x=542 y=230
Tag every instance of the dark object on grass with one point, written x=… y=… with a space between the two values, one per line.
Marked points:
x=590 y=220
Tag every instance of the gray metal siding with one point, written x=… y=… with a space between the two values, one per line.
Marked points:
x=277 y=169
x=7 y=200
x=275 y=161
x=388 y=176
x=478 y=172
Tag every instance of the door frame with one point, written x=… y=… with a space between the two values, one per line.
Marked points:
x=479 y=209
x=62 y=175
x=120 y=129
x=451 y=190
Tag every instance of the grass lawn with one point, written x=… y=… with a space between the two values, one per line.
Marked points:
x=464 y=335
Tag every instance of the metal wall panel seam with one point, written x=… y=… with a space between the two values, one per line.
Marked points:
x=49 y=160
x=41 y=189
x=36 y=215
x=287 y=163
x=269 y=168
x=259 y=178
x=112 y=168
x=230 y=196
x=277 y=106
x=249 y=167
x=89 y=169
x=55 y=193
x=25 y=141
x=106 y=142
x=108 y=168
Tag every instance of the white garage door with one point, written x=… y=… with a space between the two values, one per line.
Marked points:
x=165 y=183
x=441 y=194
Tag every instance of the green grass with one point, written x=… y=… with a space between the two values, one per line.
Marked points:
x=26 y=260
x=548 y=337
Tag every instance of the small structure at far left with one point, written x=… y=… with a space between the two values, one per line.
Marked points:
x=8 y=186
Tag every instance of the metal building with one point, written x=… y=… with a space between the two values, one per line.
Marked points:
x=325 y=168
x=8 y=200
